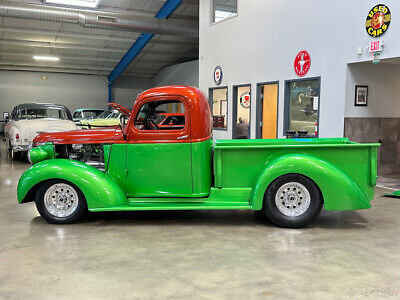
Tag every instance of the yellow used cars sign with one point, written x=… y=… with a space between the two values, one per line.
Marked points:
x=378 y=20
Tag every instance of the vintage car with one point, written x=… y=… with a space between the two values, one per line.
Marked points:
x=144 y=166
x=107 y=118
x=86 y=113
x=30 y=119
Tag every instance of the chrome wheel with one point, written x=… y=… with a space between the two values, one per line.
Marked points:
x=292 y=199
x=61 y=200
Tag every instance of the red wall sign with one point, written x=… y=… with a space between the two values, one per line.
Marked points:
x=302 y=63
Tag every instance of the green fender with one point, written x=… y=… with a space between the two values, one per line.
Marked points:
x=100 y=190
x=338 y=190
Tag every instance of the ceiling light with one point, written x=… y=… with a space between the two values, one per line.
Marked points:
x=80 y=3
x=48 y=58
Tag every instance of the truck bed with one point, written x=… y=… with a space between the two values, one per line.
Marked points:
x=240 y=163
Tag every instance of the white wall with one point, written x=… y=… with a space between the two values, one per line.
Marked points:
x=179 y=74
x=73 y=90
x=261 y=43
x=383 y=89
x=126 y=89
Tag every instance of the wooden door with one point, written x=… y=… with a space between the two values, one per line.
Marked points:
x=269 y=111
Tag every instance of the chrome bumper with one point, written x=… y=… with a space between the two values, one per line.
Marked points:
x=20 y=148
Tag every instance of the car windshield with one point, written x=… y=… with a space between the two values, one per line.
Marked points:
x=115 y=115
x=105 y=114
x=159 y=118
x=40 y=113
x=89 y=114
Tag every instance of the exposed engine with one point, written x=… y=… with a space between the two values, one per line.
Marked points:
x=90 y=154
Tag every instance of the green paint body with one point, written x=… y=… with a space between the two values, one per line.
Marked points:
x=234 y=174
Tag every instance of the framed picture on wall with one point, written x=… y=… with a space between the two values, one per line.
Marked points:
x=361 y=98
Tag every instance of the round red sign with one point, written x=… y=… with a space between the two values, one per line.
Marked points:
x=302 y=63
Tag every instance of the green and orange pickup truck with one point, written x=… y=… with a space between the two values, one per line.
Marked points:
x=144 y=166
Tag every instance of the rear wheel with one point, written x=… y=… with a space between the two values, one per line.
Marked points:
x=292 y=201
x=60 y=202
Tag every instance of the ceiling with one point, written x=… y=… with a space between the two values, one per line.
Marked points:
x=95 y=51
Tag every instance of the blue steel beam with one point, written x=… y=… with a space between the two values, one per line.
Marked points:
x=168 y=8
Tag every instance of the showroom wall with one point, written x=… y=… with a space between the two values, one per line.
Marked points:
x=126 y=89
x=383 y=90
x=380 y=120
x=260 y=45
x=73 y=90
x=180 y=74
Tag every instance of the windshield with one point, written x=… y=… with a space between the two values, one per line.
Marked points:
x=105 y=114
x=89 y=114
x=39 y=113
x=114 y=115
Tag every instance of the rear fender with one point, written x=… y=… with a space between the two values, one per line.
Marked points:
x=338 y=190
x=100 y=190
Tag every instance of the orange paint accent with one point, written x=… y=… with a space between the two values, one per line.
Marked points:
x=197 y=128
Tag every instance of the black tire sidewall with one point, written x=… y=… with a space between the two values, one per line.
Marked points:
x=278 y=218
x=77 y=215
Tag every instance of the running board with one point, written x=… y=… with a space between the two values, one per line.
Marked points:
x=174 y=206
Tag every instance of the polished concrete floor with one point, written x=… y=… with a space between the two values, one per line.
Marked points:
x=196 y=254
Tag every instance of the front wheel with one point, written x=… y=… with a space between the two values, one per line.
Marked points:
x=60 y=202
x=292 y=201
x=16 y=155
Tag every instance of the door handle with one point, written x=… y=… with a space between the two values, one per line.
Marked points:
x=182 y=137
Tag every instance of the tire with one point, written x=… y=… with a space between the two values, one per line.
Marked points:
x=72 y=211
x=292 y=201
x=16 y=155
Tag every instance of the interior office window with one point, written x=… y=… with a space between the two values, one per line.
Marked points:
x=303 y=106
x=223 y=9
x=242 y=112
x=219 y=106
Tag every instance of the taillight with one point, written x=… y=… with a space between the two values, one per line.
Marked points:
x=17 y=137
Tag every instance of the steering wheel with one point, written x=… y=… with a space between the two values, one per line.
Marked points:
x=149 y=122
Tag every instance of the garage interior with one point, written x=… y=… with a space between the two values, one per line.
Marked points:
x=180 y=254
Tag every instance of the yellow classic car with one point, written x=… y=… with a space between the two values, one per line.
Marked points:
x=105 y=119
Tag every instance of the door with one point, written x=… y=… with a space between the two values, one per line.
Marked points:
x=241 y=112
x=159 y=155
x=268 y=110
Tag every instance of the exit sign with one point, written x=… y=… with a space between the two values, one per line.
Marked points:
x=375 y=46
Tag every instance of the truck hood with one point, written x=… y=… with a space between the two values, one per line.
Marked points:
x=91 y=136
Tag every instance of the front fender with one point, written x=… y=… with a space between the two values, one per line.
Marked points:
x=99 y=189
x=338 y=190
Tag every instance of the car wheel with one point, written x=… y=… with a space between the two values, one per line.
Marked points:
x=16 y=155
x=292 y=201
x=60 y=202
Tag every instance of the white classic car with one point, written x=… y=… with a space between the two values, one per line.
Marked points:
x=30 y=119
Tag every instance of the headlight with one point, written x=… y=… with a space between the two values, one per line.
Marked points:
x=41 y=153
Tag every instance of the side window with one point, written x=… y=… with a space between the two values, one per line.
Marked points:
x=219 y=107
x=77 y=114
x=155 y=116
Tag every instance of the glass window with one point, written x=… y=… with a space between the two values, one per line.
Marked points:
x=89 y=114
x=223 y=9
x=243 y=107
x=105 y=114
x=151 y=116
x=77 y=114
x=303 y=106
x=38 y=113
x=219 y=106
